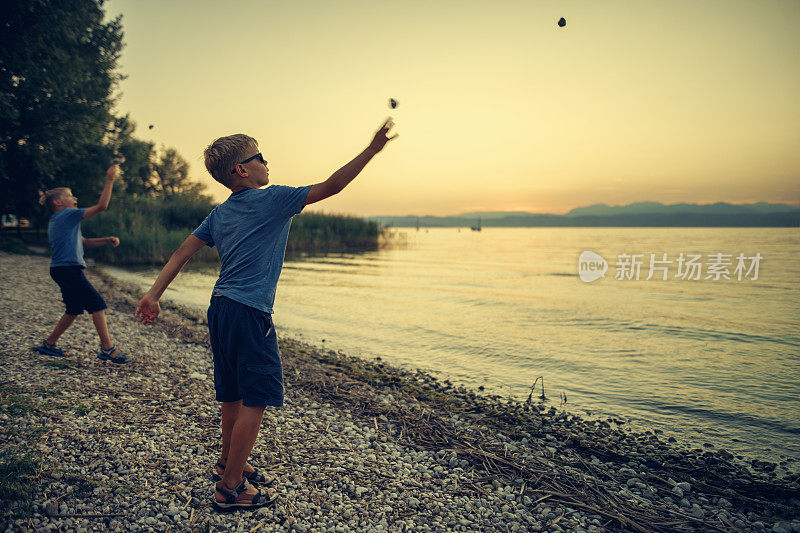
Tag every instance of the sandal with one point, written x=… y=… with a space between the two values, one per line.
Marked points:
x=256 y=476
x=105 y=355
x=50 y=349
x=230 y=503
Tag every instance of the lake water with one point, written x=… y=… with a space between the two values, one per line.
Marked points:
x=707 y=361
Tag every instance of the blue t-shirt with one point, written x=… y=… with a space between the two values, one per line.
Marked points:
x=64 y=234
x=250 y=230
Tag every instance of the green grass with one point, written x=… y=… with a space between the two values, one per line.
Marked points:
x=82 y=410
x=59 y=363
x=17 y=473
x=14 y=402
x=13 y=245
x=81 y=484
x=21 y=466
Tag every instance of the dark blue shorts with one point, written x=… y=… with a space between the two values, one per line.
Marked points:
x=76 y=291
x=247 y=362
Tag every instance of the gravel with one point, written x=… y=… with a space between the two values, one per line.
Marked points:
x=130 y=447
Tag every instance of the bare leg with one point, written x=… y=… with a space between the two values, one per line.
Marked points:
x=62 y=325
x=99 y=319
x=243 y=437
x=230 y=412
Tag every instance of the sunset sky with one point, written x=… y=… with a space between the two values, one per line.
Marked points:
x=500 y=109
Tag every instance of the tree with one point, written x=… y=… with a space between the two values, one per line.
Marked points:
x=58 y=64
x=172 y=175
x=147 y=172
x=138 y=168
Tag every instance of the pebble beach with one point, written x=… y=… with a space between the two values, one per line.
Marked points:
x=88 y=445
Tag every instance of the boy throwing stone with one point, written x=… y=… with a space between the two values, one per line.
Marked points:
x=250 y=230
x=67 y=265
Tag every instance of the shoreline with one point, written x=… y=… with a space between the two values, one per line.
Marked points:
x=686 y=406
x=358 y=445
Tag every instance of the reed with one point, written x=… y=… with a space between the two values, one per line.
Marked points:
x=150 y=230
x=316 y=232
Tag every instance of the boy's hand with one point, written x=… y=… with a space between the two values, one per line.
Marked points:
x=113 y=172
x=148 y=310
x=113 y=241
x=380 y=139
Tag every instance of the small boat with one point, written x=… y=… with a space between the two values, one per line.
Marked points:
x=478 y=227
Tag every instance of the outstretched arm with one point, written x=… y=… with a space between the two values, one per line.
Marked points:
x=100 y=241
x=148 y=308
x=342 y=177
x=105 y=196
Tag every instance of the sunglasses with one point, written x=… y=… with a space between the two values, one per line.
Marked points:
x=258 y=155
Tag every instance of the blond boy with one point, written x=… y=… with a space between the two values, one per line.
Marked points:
x=250 y=230
x=67 y=265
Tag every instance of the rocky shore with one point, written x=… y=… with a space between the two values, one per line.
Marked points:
x=92 y=446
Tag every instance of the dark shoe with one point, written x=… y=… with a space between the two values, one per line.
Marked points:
x=105 y=355
x=50 y=349
x=259 y=499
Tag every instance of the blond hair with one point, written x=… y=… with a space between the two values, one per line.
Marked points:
x=48 y=198
x=224 y=154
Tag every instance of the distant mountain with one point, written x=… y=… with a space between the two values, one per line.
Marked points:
x=490 y=215
x=640 y=214
x=649 y=208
